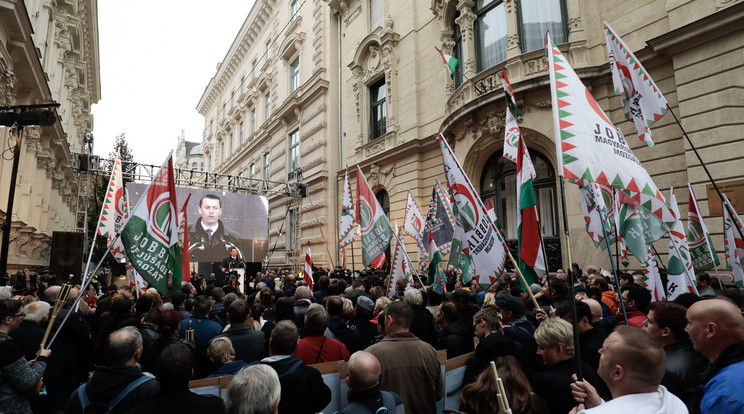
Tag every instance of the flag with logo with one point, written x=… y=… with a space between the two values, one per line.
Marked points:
x=150 y=235
x=642 y=100
x=414 y=222
x=450 y=62
x=459 y=257
x=308 y=269
x=440 y=282
x=531 y=259
x=732 y=242
x=703 y=254
x=511 y=102
x=376 y=229
x=653 y=278
x=589 y=147
x=439 y=220
x=136 y=283
x=183 y=223
x=346 y=236
x=595 y=211
x=481 y=240
x=114 y=212
x=511 y=136
x=680 y=273
x=400 y=266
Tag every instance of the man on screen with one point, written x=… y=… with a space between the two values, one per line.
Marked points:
x=209 y=239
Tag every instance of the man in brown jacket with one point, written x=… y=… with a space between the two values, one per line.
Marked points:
x=410 y=366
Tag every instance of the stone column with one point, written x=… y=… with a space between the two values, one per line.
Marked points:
x=465 y=21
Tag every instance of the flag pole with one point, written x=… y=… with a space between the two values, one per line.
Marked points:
x=658 y=258
x=614 y=270
x=547 y=272
x=617 y=228
x=710 y=177
x=521 y=277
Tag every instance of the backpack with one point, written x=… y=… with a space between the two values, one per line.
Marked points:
x=388 y=406
x=87 y=406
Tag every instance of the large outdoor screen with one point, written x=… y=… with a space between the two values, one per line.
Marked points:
x=219 y=221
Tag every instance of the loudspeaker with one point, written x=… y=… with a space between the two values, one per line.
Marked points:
x=67 y=255
x=83 y=162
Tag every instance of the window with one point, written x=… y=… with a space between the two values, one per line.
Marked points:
x=377 y=110
x=375 y=14
x=222 y=152
x=268 y=50
x=240 y=133
x=253 y=69
x=194 y=165
x=294 y=75
x=457 y=54
x=490 y=33
x=253 y=120
x=537 y=17
x=266 y=170
x=294 y=9
x=294 y=150
x=223 y=111
x=267 y=107
x=294 y=229
x=252 y=170
x=232 y=99
x=242 y=85
x=230 y=143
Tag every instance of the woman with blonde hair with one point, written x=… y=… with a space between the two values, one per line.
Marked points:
x=479 y=397
x=222 y=355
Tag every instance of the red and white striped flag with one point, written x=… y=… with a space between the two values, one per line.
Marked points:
x=511 y=102
x=308 y=268
x=183 y=222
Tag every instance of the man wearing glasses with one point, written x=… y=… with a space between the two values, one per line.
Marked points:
x=636 y=299
x=19 y=376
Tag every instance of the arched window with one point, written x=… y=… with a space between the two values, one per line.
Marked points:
x=499 y=184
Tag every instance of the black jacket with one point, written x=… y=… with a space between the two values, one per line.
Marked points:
x=591 y=342
x=303 y=389
x=489 y=348
x=423 y=325
x=248 y=344
x=456 y=338
x=182 y=401
x=682 y=370
x=553 y=384
x=205 y=249
x=108 y=381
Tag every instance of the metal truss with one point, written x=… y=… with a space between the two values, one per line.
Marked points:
x=144 y=173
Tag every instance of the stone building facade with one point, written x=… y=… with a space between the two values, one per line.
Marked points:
x=271 y=114
x=396 y=97
x=48 y=53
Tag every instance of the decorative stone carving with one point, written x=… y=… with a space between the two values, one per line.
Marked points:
x=513 y=40
x=543 y=104
x=353 y=15
x=465 y=21
x=535 y=66
x=7 y=83
x=509 y=6
x=357 y=88
x=376 y=174
x=373 y=59
x=375 y=147
x=574 y=24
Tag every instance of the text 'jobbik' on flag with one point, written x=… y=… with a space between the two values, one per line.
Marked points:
x=375 y=227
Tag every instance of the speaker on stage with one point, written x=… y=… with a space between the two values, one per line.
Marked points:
x=67 y=255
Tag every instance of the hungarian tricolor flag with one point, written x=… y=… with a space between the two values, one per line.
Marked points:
x=449 y=61
x=375 y=227
x=308 y=269
x=680 y=274
x=114 y=212
x=703 y=254
x=183 y=223
x=151 y=235
x=346 y=228
x=511 y=102
x=531 y=259
x=434 y=258
x=732 y=242
x=642 y=100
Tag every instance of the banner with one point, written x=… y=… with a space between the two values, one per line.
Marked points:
x=114 y=212
x=439 y=221
x=346 y=235
x=703 y=254
x=680 y=273
x=376 y=229
x=531 y=259
x=732 y=242
x=653 y=278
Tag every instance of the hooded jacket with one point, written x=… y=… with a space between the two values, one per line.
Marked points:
x=303 y=389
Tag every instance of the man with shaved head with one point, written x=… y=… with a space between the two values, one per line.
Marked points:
x=364 y=392
x=716 y=329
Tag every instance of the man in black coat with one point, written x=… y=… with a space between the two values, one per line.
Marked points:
x=455 y=337
x=28 y=336
x=492 y=343
x=248 y=344
x=303 y=389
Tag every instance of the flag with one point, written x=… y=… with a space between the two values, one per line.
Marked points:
x=511 y=102
x=434 y=258
x=458 y=258
x=490 y=211
x=732 y=242
x=342 y=258
x=439 y=220
x=595 y=211
x=588 y=146
x=653 y=278
x=376 y=229
x=114 y=212
x=151 y=235
x=679 y=265
x=451 y=62
x=346 y=236
x=308 y=269
x=531 y=259
x=183 y=222
x=400 y=266
x=136 y=283
x=280 y=232
x=511 y=136
x=481 y=241
x=378 y=261
x=703 y=254
x=619 y=237
x=642 y=100
x=643 y=220
x=414 y=221
x=440 y=282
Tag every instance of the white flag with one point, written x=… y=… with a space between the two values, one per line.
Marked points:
x=733 y=243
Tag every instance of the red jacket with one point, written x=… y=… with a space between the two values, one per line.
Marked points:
x=308 y=350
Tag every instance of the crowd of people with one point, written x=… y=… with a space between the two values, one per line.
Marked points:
x=586 y=347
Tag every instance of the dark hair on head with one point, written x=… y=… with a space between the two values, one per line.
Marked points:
x=283 y=338
x=602 y=283
x=734 y=294
x=218 y=293
x=211 y=197
x=401 y=313
x=448 y=312
x=169 y=321
x=174 y=365
x=670 y=315
x=627 y=277
x=335 y=305
x=639 y=294
x=583 y=311
x=189 y=304
x=324 y=282
x=479 y=397
x=237 y=312
x=594 y=293
x=266 y=296
x=316 y=320
x=178 y=298
x=9 y=307
x=560 y=287
x=490 y=316
x=202 y=305
x=257 y=310
x=703 y=276
x=284 y=309
x=515 y=290
x=143 y=305
x=152 y=316
x=434 y=298
x=687 y=299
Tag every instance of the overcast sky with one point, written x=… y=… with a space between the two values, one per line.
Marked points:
x=157 y=57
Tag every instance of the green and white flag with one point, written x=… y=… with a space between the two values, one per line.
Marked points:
x=703 y=254
x=114 y=212
x=151 y=235
x=451 y=62
x=480 y=239
x=346 y=235
x=680 y=273
x=653 y=278
x=434 y=258
x=511 y=101
x=375 y=226
x=642 y=100
x=531 y=259
x=732 y=242
x=458 y=258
